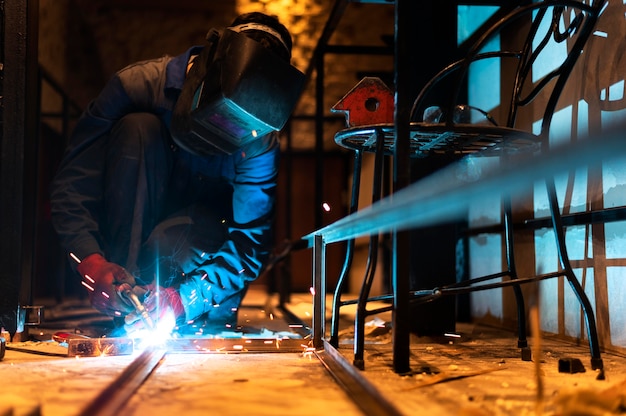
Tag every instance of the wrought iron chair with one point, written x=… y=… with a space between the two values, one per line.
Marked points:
x=452 y=128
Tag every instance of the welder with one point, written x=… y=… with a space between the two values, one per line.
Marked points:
x=168 y=184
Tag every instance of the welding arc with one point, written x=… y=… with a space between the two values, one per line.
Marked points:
x=116 y=394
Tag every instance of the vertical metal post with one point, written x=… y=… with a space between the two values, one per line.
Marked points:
x=319 y=136
x=18 y=77
x=319 y=291
x=401 y=178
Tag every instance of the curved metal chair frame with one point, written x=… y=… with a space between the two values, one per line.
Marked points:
x=559 y=21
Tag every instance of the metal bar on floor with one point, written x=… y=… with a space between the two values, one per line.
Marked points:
x=365 y=395
x=115 y=395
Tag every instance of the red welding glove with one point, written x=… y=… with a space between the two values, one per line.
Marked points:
x=101 y=278
x=160 y=302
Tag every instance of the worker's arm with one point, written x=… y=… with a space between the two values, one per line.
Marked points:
x=243 y=255
x=77 y=189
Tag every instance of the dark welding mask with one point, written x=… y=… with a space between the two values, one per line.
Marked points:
x=244 y=92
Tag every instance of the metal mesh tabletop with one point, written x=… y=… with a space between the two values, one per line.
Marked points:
x=427 y=139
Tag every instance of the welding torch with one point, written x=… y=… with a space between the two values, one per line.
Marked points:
x=126 y=292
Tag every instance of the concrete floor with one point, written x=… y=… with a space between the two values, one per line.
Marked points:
x=477 y=372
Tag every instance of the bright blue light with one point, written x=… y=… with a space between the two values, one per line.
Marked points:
x=470 y=18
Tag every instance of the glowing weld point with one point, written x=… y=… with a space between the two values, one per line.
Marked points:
x=89 y=278
x=269 y=341
x=254 y=133
x=312 y=290
x=326 y=207
x=203 y=254
x=295 y=326
x=204 y=276
x=242 y=270
x=82 y=282
x=238 y=347
x=159 y=334
x=105 y=294
x=447 y=334
x=271 y=316
x=117 y=313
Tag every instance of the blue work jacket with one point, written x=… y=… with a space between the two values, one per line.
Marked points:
x=154 y=86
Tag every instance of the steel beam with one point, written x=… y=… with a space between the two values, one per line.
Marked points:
x=18 y=117
x=401 y=179
x=319 y=289
x=116 y=394
x=363 y=393
x=96 y=347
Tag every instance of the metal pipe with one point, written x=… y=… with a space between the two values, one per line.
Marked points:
x=401 y=179
x=319 y=295
x=115 y=395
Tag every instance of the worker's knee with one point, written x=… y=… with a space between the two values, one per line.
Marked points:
x=138 y=133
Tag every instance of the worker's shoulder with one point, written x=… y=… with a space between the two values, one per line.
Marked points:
x=148 y=68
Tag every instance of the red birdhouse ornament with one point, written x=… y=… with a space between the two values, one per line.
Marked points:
x=369 y=102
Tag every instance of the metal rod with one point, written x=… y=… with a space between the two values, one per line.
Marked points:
x=372 y=260
x=319 y=292
x=401 y=180
x=115 y=396
x=347 y=265
x=357 y=387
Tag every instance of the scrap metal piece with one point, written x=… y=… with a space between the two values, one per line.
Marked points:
x=234 y=345
x=95 y=347
x=571 y=365
x=62 y=336
x=32 y=315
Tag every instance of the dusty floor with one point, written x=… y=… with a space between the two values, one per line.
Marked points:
x=477 y=372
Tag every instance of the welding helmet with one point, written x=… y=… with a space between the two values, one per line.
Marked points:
x=236 y=91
